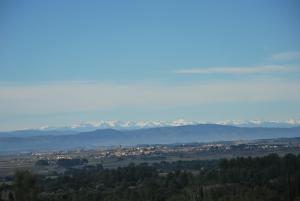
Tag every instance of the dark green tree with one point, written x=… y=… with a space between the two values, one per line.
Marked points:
x=25 y=186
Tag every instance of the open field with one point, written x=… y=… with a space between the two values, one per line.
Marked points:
x=122 y=156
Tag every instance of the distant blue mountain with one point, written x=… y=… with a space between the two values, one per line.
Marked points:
x=160 y=135
x=133 y=125
x=35 y=132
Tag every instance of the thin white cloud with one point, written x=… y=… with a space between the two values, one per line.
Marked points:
x=83 y=97
x=286 y=56
x=239 y=70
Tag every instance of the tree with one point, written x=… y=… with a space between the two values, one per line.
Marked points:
x=25 y=187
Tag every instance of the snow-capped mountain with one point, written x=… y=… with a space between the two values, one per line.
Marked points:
x=129 y=125
x=136 y=125
x=120 y=125
x=258 y=123
x=59 y=140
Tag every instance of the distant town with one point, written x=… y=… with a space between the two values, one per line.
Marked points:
x=55 y=162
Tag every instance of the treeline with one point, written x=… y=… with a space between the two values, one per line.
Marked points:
x=269 y=178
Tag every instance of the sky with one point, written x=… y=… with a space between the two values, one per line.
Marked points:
x=63 y=62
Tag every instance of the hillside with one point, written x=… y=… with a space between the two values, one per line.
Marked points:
x=162 y=135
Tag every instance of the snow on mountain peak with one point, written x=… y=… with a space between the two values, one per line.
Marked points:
x=116 y=124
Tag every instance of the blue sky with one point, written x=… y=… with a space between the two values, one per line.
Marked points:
x=73 y=61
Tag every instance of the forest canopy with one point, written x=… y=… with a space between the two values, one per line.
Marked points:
x=245 y=178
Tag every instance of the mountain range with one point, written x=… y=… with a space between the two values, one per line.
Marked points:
x=64 y=140
x=130 y=125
